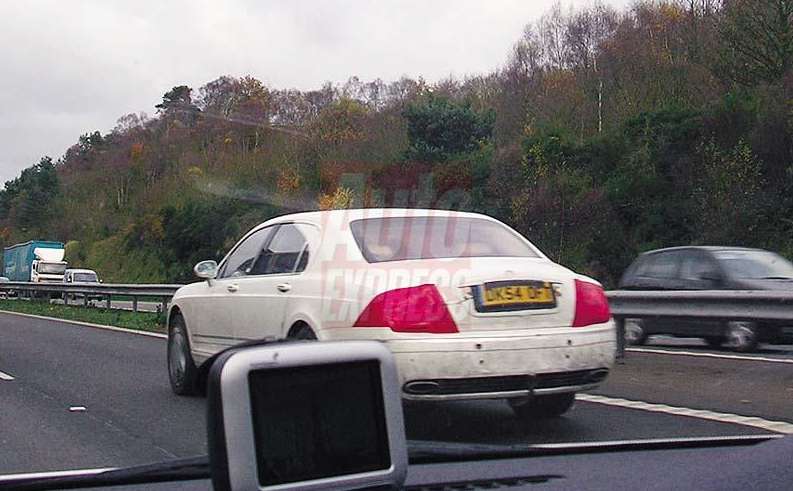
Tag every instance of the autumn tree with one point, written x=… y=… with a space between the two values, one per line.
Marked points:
x=758 y=40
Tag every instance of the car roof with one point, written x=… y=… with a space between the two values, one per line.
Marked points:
x=79 y=270
x=349 y=215
x=701 y=248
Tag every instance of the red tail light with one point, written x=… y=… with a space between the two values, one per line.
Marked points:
x=413 y=309
x=591 y=305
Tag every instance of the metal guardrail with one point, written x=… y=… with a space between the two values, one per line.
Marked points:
x=99 y=290
x=755 y=305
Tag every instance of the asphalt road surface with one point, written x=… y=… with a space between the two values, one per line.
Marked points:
x=78 y=397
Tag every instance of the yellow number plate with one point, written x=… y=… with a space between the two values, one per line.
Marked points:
x=502 y=295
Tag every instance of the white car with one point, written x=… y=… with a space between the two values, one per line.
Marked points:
x=469 y=307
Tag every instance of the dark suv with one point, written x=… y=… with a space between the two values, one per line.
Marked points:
x=708 y=268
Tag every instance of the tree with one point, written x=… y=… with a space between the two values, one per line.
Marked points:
x=439 y=128
x=26 y=201
x=729 y=195
x=177 y=103
x=758 y=40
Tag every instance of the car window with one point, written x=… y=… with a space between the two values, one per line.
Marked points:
x=662 y=265
x=698 y=266
x=85 y=277
x=303 y=261
x=755 y=264
x=240 y=261
x=282 y=253
x=404 y=238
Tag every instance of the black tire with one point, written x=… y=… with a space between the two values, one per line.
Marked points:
x=543 y=407
x=182 y=371
x=302 y=332
x=742 y=336
x=635 y=333
x=714 y=342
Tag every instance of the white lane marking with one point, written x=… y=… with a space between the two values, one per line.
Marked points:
x=89 y=324
x=6 y=377
x=764 y=424
x=77 y=409
x=710 y=355
x=51 y=474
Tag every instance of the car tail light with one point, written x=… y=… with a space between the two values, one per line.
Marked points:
x=591 y=305
x=413 y=309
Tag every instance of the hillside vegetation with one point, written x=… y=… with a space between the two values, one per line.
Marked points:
x=605 y=134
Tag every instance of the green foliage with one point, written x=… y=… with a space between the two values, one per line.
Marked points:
x=194 y=232
x=439 y=128
x=75 y=253
x=757 y=40
x=25 y=202
x=142 y=321
x=729 y=195
x=116 y=263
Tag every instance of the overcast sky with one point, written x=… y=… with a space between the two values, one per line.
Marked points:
x=67 y=68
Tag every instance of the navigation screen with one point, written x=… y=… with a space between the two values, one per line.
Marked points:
x=318 y=421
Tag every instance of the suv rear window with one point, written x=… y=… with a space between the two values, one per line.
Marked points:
x=404 y=238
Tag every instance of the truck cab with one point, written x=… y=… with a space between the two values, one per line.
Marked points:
x=48 y=266
x=43 y=271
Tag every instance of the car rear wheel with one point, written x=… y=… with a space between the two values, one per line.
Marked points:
x=542 y=407
x=182 y=371
x=742 y=336
x=635 y=334
x=303 y=332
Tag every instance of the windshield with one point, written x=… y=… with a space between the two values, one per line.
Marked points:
x=470 y=184
x=84 y=277
x=51 y=268
x=755 y=265
x=404 y=238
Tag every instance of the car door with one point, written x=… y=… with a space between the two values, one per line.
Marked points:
x=699 y=271
x=661 y=273
x=262 y=296
x=213 y=303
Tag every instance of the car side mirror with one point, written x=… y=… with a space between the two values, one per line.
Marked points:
x=207 y=270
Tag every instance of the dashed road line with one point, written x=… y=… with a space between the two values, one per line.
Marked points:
x=763 y=424
x=724 y=356
x=6 y=377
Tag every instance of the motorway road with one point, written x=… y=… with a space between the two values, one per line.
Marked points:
x=131 y=417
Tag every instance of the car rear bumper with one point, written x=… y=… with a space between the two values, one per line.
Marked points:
x=462 y=367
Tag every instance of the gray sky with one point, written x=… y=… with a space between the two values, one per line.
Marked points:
x=73 y=67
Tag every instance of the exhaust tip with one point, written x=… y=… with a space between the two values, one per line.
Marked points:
x=422 y=387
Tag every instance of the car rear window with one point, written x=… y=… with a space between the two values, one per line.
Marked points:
x=404 y=238
x=660 y=265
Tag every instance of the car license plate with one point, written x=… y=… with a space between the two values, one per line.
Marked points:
x=502 y=295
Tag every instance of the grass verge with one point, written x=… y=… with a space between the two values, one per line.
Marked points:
x=142 y=321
